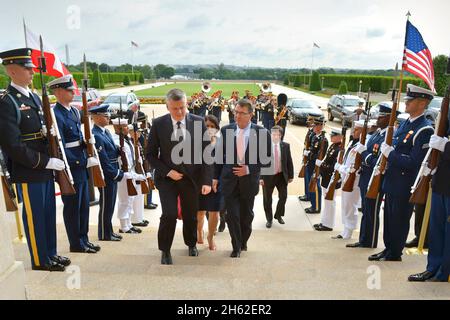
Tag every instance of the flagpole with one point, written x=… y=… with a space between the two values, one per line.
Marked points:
x=403 y=63
x=312 y=63
x=25 y=32
x=132 y=60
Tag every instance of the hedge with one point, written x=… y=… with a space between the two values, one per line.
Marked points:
x=375 y=83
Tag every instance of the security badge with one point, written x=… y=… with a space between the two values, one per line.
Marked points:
x=410 y=133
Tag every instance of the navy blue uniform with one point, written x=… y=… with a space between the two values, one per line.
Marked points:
x=315 y=197
x=411 y=145
x=310 y=135
x=26 y=148
x=370 y=221
x=439 y=235
x=76 y=207
x=108 y=154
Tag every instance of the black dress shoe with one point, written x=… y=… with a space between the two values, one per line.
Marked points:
x=116 y=235
x=193 y=252
x=310 y=210
x=136 y=229
x=131 y=231
x=323 y=228
x=142 y=224
x=280 y=220
x=151 y=206
x=338 y=237
x=93 y=246
x=235 y=254
x=61 y=260
x=154 y=204
x=52 y=267
x=354 y=245
x=303 y=198
x=414 y=243
x=378 y=256
x=84 y=250
x=421 y=277
x=269 y=224
x=166 y=258
x=244 y=247
x=111 y=239
x=396 y=259
x=436 y=280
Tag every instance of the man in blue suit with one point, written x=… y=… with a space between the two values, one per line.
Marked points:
x=370 y=221
x=76 y=207
x=410 y=145
x=108 y=153
x=244 y=148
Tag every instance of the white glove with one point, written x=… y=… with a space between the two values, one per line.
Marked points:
x=55 y=164
x=318 y=162
x=426 y=171
x=360 y=148
x=343 y=170
x=386 y=149
x=92 y=162
x=148 y=175
x=306 y=153
x=141 y=177
x=128 y=175
x=438 y=143
x=92 y=140
x=337 y=166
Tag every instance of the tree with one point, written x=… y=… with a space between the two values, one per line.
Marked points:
x=343 y=89
x=286 y=80
x=163 y=71
x=315 y=82
x=97 y=80
x=141 y=78
x=103 y=67
x=126 y=81
x=297 y=81
x=440 y=79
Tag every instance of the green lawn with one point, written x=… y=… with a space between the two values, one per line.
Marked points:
x=190 y=88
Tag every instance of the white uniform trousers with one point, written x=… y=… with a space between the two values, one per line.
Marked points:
x=349 y=209
x=137 y=215
x=125 y=205
x=328 y=210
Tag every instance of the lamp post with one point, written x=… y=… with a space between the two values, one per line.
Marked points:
x=323 y=78
x=360 y=85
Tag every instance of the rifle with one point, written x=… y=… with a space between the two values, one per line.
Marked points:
x=96 y=171
x=130 y=184
x=313 y=182
x=421 y=186
x=336 y=175
x=349 y=182
x=301 y=174
x=137 y=155
x=64 y=177
x=146 y=163
x=378 y=172
x=8 y=190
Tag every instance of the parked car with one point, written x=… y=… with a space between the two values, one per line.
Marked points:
x=432 y=112
x=127 y=99
x=376 y=108
x=301 y=109
x=93 y=99
x=342 y=107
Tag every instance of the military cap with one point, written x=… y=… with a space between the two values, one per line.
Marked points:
x=336 y=132
x=319 y=120
x=21 y=56
x=385 y=110
x=413 y=92
x=101 y=109
x=65 y=82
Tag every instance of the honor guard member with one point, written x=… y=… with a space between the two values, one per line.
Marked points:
x=23 y=142
x=438 y=268
x=201 y=111
x=370 y=221
x=76 y=207
x=108 y=153
x=309 y=135
x=410 y=145
x=326 y=172
x=350 y=201
x=315 y=197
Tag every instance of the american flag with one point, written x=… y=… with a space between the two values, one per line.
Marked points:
x=134 y=44
x=417 y=58
x=316 y=45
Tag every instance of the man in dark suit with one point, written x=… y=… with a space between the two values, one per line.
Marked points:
x=282 y=175
x=175 y=150
x=243 y=149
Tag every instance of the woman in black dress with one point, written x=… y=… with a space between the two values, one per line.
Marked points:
x=210 y=203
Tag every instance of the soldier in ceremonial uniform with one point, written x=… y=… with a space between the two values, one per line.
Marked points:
x=410 y=145
x=370 y=221
x=438 y=268
x=326 y=172
x=108 y=153
x=315 y=197
x=76 y=207
x=309 y=135
x=23 y=142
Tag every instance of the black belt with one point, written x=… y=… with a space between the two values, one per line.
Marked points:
x=32 y=136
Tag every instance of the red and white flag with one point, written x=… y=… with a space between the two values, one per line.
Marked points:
x=55 y=67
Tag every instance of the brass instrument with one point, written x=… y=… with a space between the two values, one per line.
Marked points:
x=214 y=100
x=206 y=87
x=281 y=101
x=266 y=87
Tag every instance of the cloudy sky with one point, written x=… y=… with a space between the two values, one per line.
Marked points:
x=277 y=33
